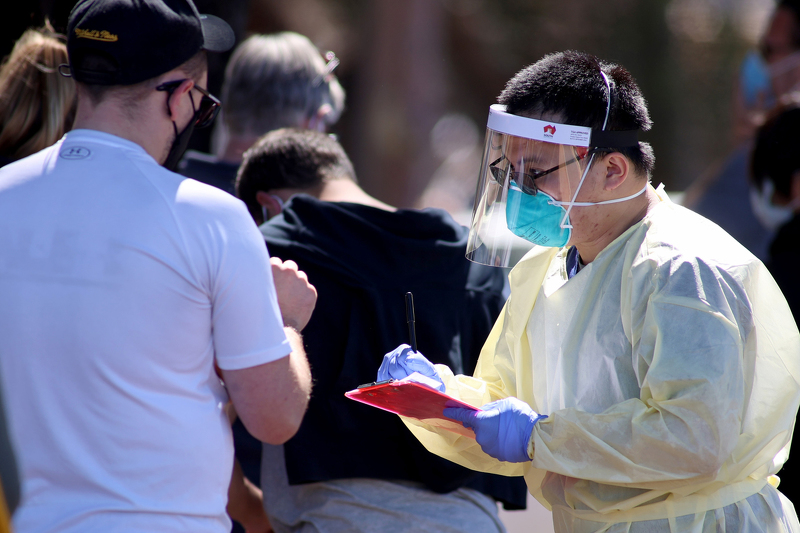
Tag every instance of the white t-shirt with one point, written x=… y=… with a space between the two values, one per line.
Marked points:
x=120 y=283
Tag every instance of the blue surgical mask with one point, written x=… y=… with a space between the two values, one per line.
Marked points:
x=770 y=215
x=536 y=218
x=543 y=220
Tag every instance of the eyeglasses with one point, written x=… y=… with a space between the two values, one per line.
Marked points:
x=526 y=180
x=327 y=73
x=209 y=104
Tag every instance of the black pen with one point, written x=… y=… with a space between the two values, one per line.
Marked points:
x=412 y=331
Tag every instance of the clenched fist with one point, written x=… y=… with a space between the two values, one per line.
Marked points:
x=296 y=296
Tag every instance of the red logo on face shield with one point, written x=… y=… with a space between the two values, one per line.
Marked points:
x=549 y=130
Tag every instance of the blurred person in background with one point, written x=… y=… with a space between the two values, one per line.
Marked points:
x=769 y=73
x=775 y=171
x=766 y=74
x=37 y=104
x=455 y=140
x=271 y=81
x=363 y=255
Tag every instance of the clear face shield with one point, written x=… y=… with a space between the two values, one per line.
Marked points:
x=514 y=170
x=531 y=173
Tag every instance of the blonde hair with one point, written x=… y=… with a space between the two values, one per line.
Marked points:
x=37 y=104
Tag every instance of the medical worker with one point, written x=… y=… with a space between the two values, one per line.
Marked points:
x=643 y=375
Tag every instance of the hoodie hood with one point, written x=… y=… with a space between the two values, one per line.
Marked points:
x=418 y=244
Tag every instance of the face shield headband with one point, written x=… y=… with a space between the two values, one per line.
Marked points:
x=572 y=203
x=511 y=210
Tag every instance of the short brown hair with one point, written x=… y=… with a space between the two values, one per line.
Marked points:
x=290 y=158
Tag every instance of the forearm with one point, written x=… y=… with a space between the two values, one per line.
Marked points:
x=246 y=503
x=291 y=394
x=271 y=399
x=300 y=374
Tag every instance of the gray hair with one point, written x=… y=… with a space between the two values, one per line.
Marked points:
x=275 y=81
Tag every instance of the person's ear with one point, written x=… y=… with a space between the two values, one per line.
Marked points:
x=317 y=122
x=177 y=96
x=269 y=203
x=581 y=152
x=616 y=167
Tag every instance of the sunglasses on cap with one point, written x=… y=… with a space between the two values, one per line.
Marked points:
x=526 y=180
x=209 y=104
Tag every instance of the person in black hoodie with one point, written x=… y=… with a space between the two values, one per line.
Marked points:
x=363 y=255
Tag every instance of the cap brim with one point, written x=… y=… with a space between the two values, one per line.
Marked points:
x=217 y=35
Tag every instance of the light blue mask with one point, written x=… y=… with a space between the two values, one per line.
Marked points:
x=770 y=215
x=754 y=80
x=543 y=220
x=536 y=218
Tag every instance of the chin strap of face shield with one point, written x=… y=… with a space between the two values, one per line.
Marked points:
x=572 y=202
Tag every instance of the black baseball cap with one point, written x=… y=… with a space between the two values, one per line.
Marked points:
x=122 y=42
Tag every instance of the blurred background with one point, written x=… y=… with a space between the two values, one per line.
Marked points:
x=420 y=74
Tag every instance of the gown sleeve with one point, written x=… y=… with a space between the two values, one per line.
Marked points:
x=503 y=369
x=695 y=359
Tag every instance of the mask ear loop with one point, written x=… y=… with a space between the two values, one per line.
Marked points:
x=564 y=224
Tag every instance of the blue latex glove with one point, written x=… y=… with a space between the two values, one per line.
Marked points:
x=403 y=361
x=502 y=428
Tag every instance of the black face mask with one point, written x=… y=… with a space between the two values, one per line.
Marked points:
x=179 y=144
x=203 y=116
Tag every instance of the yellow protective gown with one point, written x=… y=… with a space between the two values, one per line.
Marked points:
x=669 y=368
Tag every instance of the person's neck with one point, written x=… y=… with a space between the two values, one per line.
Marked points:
x=345 y=190
x=624 y=215
x=109 y=118
x=235 y=149
x=337 y=190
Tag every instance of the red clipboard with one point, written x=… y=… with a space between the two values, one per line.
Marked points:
x=413 y=400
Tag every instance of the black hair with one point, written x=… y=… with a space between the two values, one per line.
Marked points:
x=569 y=85
x=774 y=156
x=793 y=6
x=290 y=158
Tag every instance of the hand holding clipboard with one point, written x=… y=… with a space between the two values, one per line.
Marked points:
x=415 y=396
x=414 y=400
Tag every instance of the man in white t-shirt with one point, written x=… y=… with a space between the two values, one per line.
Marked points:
x=123 y=285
